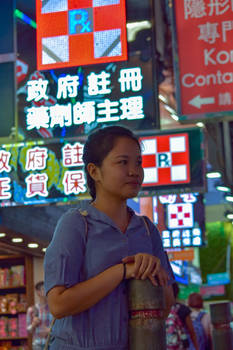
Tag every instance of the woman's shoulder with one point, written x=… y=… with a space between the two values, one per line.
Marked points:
x=72 y=215
x=72 y=222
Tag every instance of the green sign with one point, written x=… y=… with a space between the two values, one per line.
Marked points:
x=186 y=290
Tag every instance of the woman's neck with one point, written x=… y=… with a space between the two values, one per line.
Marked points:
x=115 y=209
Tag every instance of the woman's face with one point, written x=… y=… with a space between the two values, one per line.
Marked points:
x=121 y=172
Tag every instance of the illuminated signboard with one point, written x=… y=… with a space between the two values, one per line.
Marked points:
x=69 y=102
x=179 y=218
x=34 y=173
x=173 y=161
x=75 y=33
x=165 y=159
x=39 y=172
x=69 y=109
x=202 y=32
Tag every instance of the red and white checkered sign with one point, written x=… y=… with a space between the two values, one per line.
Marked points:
x=180 y=215
x=165 y=159
x=80 y=32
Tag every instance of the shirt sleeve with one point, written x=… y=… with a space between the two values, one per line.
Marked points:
x=159 y=251
x=64 y=255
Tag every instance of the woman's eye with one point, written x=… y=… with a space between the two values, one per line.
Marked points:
x=123 y=161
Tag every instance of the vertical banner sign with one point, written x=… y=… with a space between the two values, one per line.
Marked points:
x=75 y=33
x=204 y=32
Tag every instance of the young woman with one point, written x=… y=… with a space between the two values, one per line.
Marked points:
x=85 y=275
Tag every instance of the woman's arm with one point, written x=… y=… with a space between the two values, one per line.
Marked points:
x=189 y=326
x=80 y=297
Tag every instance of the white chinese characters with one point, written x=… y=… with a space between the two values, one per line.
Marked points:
x=203 y=8
x=100 y=110
x=67 y=86
x=37 y=90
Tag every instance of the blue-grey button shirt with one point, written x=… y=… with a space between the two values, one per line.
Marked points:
x=72 y=257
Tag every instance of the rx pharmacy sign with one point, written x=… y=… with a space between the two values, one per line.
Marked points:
x=74 y=33
x=173 y=161
x=204 y=31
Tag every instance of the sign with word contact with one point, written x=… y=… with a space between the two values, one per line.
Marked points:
x=204 y=31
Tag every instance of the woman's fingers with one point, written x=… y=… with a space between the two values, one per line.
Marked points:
x=147 y=266
x=150 y=267
x=153 y=280
x=128 y=259
x=143 y=267
x=137 y=264
x=157 y=267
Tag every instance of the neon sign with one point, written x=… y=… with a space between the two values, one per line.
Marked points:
x=42 y=114
x=74 y=33
x=165 y=159
x=179 y=218
x=34 y=173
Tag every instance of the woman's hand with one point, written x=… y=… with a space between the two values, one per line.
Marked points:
x=143 y=266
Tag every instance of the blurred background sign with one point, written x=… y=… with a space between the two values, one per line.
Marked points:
x=180 y=219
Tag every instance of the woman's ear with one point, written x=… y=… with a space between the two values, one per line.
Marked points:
x=93 y=171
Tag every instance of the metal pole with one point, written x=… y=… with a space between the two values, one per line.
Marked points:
x=222 y=333
x=146 y=324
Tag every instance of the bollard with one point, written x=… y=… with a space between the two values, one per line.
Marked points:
x=222 y=333
x=146 y=326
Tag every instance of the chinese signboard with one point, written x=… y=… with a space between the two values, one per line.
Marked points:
x=35 y=173
x=75 y=33
x=39 y=172
x=173 y=161
x=204 y=32
x=72 y=101
x=66 y=110
x=179 y=218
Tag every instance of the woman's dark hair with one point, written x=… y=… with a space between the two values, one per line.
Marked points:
x=97 y=147
x=195 y=300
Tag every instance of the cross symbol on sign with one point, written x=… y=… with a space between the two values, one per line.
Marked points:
x=180 y=215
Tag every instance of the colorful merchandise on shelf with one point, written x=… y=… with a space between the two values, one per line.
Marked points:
x=22 y=325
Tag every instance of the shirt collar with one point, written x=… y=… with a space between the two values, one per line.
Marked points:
x=100 y=216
